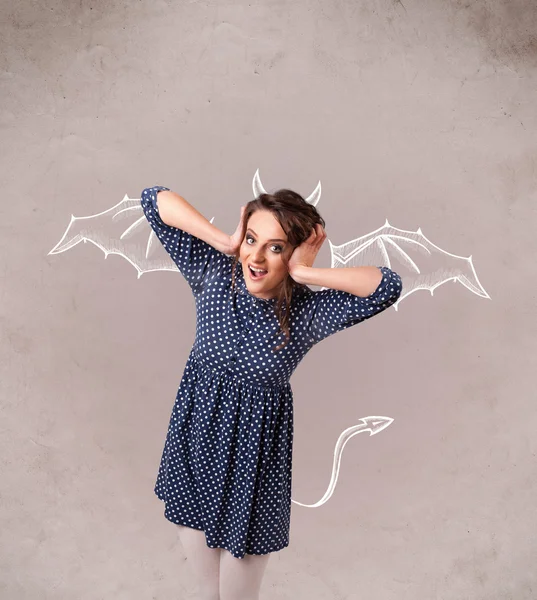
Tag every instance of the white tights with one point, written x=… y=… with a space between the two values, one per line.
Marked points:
x=219 y=575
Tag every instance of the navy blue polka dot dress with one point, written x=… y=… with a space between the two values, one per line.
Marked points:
x=226 y=464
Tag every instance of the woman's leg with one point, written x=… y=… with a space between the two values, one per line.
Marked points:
x=204 y=562
x=240 y=578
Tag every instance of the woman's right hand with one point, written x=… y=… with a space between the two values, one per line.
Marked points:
x=235 y=239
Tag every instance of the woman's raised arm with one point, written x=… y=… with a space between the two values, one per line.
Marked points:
x=175 y=211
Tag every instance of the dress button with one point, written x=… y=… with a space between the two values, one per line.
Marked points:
x=233 y=359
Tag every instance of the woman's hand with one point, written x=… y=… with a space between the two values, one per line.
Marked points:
x=304 y=255
x=235 y=239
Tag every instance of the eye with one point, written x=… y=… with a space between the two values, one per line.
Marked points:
x=277 y=246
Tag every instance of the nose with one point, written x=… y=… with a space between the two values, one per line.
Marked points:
x=258 y=256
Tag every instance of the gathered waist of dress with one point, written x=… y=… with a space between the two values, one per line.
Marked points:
x=232 y=375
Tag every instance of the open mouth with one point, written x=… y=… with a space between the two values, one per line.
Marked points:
x=256 y=275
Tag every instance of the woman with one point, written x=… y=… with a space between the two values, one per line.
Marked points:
x=225 y=473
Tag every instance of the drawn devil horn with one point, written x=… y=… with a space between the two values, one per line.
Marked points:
x=258 y=188
x=257 y=185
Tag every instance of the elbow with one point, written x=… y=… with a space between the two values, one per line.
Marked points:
x=149 y=195
x=153 y=196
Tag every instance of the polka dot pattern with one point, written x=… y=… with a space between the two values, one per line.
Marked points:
x=226 y=467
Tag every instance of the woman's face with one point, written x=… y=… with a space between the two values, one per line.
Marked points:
x=264 y=246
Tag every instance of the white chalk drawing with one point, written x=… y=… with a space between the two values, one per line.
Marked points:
x=123 y=229
x=434 y=267
x=372 y=425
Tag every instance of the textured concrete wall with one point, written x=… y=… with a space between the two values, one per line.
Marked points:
x=422 y=113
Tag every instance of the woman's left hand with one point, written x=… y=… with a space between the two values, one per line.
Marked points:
x=304 y=255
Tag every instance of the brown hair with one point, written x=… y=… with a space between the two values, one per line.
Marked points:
x=298 y=219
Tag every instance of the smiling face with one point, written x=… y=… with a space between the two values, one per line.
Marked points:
x=264 y=246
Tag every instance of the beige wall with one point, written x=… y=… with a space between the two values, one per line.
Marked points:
x=422 y=113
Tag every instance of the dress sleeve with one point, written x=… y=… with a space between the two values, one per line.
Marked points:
x=197 y=260
x=334 y=310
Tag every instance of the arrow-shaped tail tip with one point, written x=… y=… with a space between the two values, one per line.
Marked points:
x=377 y=424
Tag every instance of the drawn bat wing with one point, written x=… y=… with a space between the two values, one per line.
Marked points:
x=425 y=266
x=124 y=230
